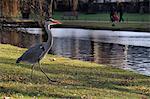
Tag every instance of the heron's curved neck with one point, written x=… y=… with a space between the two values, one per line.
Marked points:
x=50 y=38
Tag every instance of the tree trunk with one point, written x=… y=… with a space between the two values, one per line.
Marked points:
x=10 y=8
x=75 y=5
x=55 y=4
x=0 y=8
x=51 y=8
x=41 y=2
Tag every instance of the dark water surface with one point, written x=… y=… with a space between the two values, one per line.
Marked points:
x=121 y=49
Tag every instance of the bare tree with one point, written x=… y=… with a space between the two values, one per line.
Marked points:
x=55 y=4
x=10 y=8
x=42 y=9
x=75 y=5
x=0 y=8
x=51 y=8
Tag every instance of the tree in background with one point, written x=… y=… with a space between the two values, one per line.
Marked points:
x=10 y=8
x=25 y=9
x=0 y=8
x=50 y=8
x=75 y=5
x=43 y=8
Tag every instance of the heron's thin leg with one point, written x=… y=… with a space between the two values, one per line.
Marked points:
x=32 y=70
x=45 y=74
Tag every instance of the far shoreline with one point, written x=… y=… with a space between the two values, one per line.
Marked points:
x=135 y=27
x=110 y=29
x=94 y=25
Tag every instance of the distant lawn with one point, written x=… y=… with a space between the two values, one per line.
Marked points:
x=133 y=22
x=78 y=80
x=105 y=16
x=125 y=26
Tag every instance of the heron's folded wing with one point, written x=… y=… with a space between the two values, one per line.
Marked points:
x=33 y=54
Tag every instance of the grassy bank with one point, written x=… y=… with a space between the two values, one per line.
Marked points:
x=106 y=17
x=132 y=26
x=132 y=21
x=77 y=79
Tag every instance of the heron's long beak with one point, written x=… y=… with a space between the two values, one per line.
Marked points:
x=54 y=22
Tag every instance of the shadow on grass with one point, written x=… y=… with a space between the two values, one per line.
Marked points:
x=11 y=91
x=86 y=77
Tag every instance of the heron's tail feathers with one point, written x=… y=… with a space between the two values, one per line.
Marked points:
x=18 y=60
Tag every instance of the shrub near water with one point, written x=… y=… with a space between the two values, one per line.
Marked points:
x=77 y=79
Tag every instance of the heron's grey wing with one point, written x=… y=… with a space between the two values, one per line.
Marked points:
x=33 y=54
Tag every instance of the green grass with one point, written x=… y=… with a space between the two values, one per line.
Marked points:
x=133 y=21
x=77 y=79
x=106 y=25
x=105 y=17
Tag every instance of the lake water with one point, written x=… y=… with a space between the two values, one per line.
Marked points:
x=121 y=49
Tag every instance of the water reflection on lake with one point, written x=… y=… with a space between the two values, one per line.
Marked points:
x=21 y=37
x=127 y=50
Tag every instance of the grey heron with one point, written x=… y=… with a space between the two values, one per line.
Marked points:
x=34 y=54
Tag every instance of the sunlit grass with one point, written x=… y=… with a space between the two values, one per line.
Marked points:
x=77 y=79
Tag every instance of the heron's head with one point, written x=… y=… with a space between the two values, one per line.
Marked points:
x=51 y=22
x=54 y=22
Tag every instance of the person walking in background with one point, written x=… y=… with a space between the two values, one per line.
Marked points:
x=112 y=11
x=113 y=15
x=121 y=11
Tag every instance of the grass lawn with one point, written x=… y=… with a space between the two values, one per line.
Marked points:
x=105 y=17
x=133 y=22
x=106 y=25
x=77 y=79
